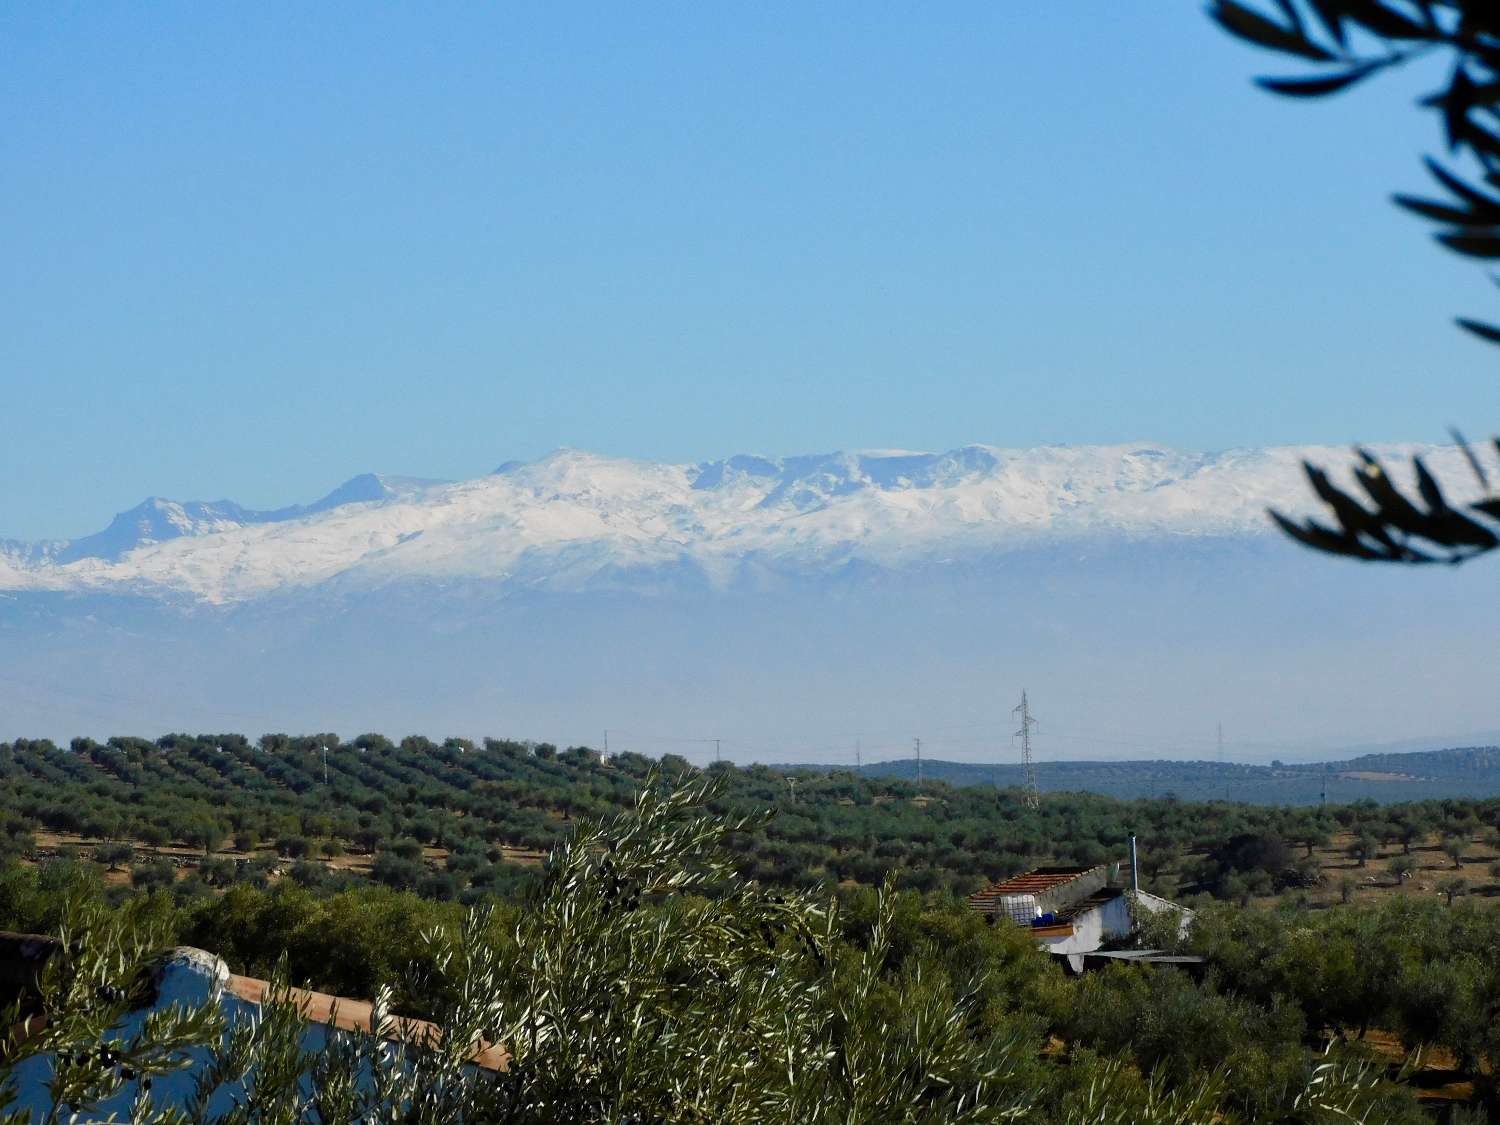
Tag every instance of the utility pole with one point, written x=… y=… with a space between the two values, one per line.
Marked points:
x=606 y=742
x=1033 y=794
x=716 y=751
x=859 y=763
x=1221 y=762
x=918 y=743
x=325 y=767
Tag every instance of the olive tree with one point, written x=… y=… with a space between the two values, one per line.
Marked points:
x=1364 y=848
x=1347 y=42
x=643 y=979
x=1402 y=867
x=102 y=971
x=1452 y=887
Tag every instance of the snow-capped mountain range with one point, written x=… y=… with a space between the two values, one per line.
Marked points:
x=777 y=603
x=574 y=520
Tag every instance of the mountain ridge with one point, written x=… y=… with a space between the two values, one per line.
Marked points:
x=574 y=519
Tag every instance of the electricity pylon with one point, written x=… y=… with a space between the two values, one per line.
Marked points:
x=1033 y=794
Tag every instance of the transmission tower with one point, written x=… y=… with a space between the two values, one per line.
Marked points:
x=1221 y=760
x=917 y=742
x=1033 y=794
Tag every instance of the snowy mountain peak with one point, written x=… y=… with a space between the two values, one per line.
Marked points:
x=157 y=520
x=809 y=482
x=364 y=489
x=575 y=519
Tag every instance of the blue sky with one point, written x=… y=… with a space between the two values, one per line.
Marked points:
x=250 y=251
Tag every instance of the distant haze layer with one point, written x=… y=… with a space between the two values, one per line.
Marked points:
x=779 y=605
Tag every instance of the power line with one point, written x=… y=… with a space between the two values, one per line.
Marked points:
x=641 y=737
x=956 y=745
x=646 y=739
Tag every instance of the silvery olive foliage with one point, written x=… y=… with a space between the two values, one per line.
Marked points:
x=1346 y=42
x=644 y=981
x=102 y=972
x=1337 y=1092
x=648 y=982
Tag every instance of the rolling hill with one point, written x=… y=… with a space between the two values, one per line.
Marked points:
x=1387 y=778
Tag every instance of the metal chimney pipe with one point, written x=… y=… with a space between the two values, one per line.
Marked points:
x=1135 y=878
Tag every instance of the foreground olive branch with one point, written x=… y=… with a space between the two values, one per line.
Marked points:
x=1345 y=42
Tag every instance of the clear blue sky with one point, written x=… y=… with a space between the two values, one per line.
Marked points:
x=252 y=250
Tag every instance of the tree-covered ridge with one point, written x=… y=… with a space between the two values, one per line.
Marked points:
x=1389 y=778
x=459 y=820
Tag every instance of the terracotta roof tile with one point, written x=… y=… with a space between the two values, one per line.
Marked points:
x=355 y=1015
x=1034 y=882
